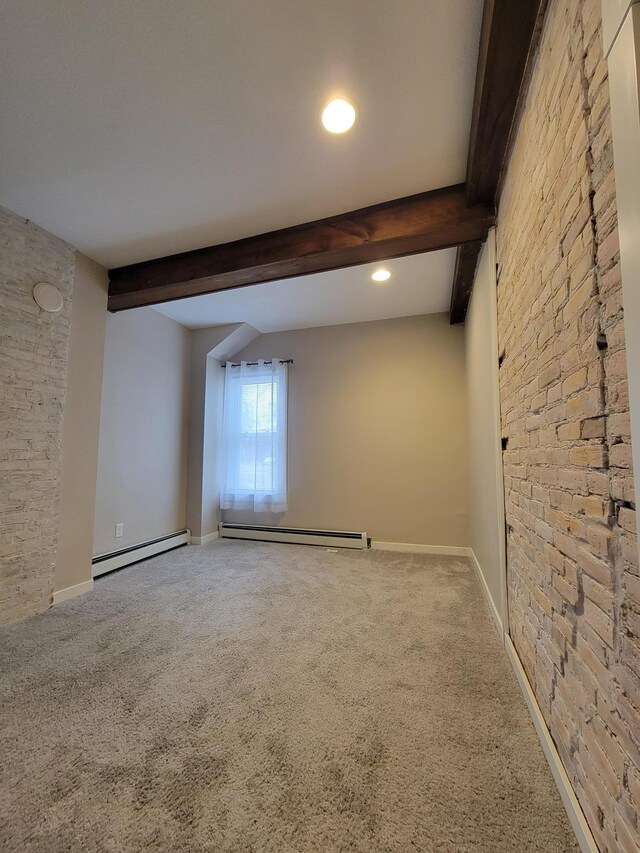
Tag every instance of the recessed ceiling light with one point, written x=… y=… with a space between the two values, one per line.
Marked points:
x=338 y=116
x=381 y=275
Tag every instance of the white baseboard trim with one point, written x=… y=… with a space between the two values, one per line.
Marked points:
x=492 y=605
x=72 y=591
x=407 y=548
x=569 y=799
x=202 y=540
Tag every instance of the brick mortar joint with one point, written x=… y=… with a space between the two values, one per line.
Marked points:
x=614 y=547
x=581 y=103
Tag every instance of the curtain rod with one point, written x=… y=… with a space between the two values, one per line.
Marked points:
x=254 y=363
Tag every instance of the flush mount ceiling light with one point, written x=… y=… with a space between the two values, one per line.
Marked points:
x=338 y=116
x=381 y=275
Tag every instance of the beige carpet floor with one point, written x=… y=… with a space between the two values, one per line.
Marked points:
x=259 y=697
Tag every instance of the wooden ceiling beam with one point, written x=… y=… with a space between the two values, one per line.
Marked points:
x=420 y=223
x=508 y=38
x=463 y=276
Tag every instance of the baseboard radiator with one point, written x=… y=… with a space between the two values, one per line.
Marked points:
x=125 y=556
x=294 y=535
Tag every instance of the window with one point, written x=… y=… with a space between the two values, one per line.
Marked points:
x=254 y=437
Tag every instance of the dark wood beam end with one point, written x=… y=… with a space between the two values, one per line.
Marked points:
x=463 y=278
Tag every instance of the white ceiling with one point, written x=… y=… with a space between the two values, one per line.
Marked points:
x=139 y=129
x=419 y=284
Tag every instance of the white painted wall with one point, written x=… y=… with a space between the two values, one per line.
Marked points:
x=377 y=429
x=622 y=42
x=486 y=489
x=142 y=459
x=209 y=348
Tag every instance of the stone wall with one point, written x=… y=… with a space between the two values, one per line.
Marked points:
x=33 y=366
x=574 y=590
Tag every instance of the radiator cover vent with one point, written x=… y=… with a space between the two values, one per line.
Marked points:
x=294 y=535
x=142 y=551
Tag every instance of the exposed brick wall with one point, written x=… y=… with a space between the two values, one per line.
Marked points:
x=33 y=366
x=574 y=590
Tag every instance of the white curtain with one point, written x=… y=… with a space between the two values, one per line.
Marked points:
x=254 y=437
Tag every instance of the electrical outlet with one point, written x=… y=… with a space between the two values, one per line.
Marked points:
x=119 y=530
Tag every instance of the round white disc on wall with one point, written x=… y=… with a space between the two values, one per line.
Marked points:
x=48 y=297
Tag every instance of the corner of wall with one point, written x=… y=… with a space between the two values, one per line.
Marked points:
x=236 y=341
x=81 y=425
x=209 y=348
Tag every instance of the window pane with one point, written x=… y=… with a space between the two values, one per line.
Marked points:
x=254 y=440
x=258 y=425
x=259 y=405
